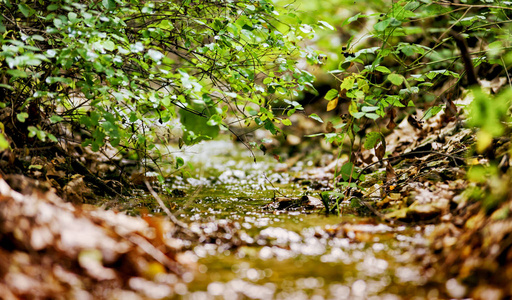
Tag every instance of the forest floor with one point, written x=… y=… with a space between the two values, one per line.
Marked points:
x=412 y=229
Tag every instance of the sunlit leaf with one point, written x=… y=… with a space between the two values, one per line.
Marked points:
x=372 y=116
x=22 y=117
x=325 y=24
x=316 y=118
x=331 y=94
x=383 y=69
x=332 y=104
x=347 y=83
x=369 y=108
x=4 y=144
x=396 y=79
x=352 y=109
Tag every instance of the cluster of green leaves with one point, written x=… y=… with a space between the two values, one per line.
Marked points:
x=409 y=59
x=117 y=69
x=491 y=115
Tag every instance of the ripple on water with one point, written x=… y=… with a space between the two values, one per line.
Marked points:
x=286 y=254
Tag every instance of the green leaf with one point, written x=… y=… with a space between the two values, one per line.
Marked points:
x=37 y=37
x=347 y=83
x=286 y=122
x=369 y=108
x=325 y=24
x=358 y=115
x=395 y=23
x=196 y=127
x=412 y=5
x=396 y=79
x=372 y=116
x=331 y=94
x=214 y=120
x=352 y=109
x=354 y=18
x=109 y=45
x=22 y=117
x=372 y=139
x=382 y=25
x=383 y=69
x=109 y=4
x=316 y=118
x=431 y=111
x=52 y=80
x=4 y=144
x=25 y=10
x=53 y=7
x=268 y=80
x=179 y=162
x=31 y=131
x=72 y=17
x=347 y=171
x=17 y=73
x=56 y=119
x=6 y=86
x=315 y=134
x=52 y=138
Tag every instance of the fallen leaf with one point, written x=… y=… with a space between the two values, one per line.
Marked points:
x=450 y=110
x=380 y=150
x=59 y=249
x=390 y=173
x=414 y=122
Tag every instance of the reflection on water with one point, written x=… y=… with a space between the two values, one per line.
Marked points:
x=285 y=255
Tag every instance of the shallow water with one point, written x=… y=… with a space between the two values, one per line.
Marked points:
x=268 y=254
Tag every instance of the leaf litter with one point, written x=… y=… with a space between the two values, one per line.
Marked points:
x=50 y=248
x=91 y=253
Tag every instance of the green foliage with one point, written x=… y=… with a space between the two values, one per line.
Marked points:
x=410 y=53
x=118 y=69
x=332 y=201
x=490 y=114
x=408 y=58
x=372 y=139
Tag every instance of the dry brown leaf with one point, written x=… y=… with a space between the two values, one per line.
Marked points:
x=329 y=127
x=450 y=110
x=414 y=122
x=392 y=115
x=80 y=251
x=390 y=173
x=380 y=150
x=76 y=190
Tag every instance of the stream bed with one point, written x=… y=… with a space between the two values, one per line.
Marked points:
x=262 y=253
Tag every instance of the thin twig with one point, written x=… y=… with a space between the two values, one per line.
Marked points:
x=471 y=5
x=506 y=71
x=167 y=211
x=455 y=23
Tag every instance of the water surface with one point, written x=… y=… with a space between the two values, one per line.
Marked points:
x=259 y=253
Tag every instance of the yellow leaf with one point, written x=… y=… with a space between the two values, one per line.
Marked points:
x=332 y=104
x=483 y=141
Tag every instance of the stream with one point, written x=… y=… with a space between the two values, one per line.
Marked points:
x=262 y=253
